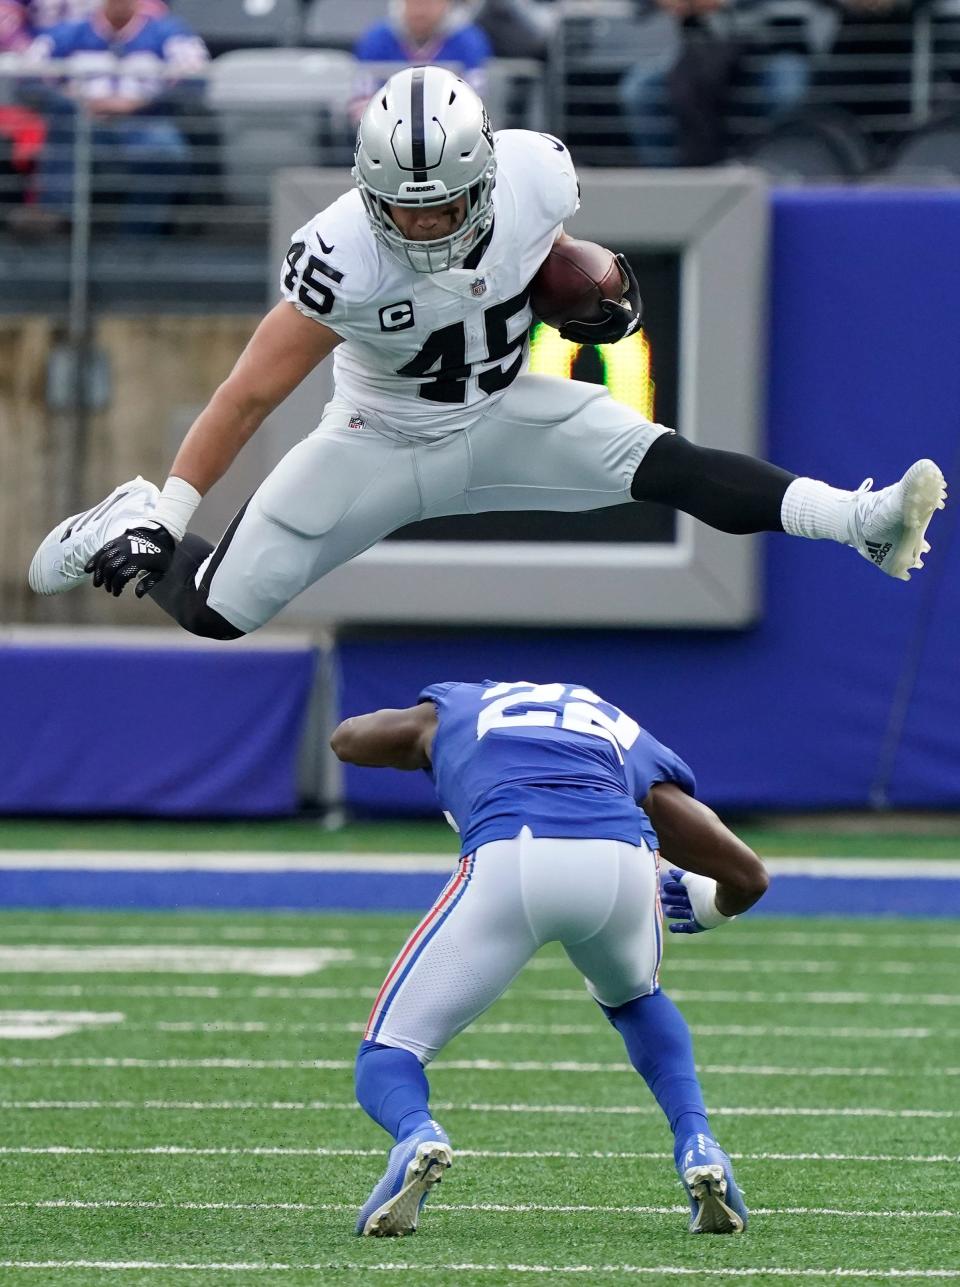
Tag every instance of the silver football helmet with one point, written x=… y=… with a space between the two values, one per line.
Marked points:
x=425 y=140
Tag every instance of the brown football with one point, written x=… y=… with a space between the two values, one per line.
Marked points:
x=572 y=281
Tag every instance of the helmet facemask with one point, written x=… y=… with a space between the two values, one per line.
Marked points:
x=425 y=140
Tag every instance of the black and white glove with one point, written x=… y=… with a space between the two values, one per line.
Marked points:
x=619 y=320
x=147 y=549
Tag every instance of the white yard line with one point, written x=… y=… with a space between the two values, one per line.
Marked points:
x=459 y=1065
x=308 y=993
x=459 y=1106
x=206 y=958
x=418 y=1269
x=498 y=1208
x=213 y=1027
x=753 y=965
x=281 y=934
x=162 y=958
x=179 y=1150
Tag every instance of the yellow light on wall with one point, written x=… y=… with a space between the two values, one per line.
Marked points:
x=626 y=366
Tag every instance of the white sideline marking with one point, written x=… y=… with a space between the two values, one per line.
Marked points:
x=66 y=1204
x=267 y=1150
x=40 y=1025
x=305 y=860
x=260 y=1267
x=47 y=958
x=226 y=860
x=458 y=1065
x=904 y=868
x=264 y=992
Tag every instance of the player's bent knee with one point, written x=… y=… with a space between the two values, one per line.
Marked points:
x=200 y=619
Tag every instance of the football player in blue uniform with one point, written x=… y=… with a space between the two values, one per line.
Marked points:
x=555 y=794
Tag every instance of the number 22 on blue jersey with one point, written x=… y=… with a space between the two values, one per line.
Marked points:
x=579 y=712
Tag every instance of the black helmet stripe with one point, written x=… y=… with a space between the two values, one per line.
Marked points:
x=418 y=141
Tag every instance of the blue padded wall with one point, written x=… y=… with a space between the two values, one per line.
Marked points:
x=175 y=732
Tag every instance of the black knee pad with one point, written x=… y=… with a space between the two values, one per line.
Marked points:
x=200 y=619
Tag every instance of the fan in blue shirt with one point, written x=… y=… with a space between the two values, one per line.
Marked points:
x=421 y=32
x=137 y=60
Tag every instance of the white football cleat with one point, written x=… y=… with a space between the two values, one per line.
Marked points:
x=888 y=527
x=63 y=553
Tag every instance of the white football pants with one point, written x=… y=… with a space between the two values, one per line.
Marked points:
x=548 y=444
x=599 y=898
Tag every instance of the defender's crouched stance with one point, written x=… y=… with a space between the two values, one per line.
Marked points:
x=544 y=783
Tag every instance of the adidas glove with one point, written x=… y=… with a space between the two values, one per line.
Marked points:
x=146 y=549
x=619 y=320
x=689 y=902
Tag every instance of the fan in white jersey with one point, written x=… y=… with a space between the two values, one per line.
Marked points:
x=418 y=283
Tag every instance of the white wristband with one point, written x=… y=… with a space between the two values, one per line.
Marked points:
x=703 y=900
x=175 y=506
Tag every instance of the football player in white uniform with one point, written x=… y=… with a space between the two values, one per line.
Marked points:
x=418 y=283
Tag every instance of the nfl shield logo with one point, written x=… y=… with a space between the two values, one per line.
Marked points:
x=478 y=286
x=356 y=422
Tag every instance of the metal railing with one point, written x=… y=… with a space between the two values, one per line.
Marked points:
x=896 y=72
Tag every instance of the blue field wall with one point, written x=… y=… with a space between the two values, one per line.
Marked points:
x=181 y=733
x=848 y=692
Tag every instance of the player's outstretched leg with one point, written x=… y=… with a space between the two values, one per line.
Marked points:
x=737 y=493
x=659 y=1045
x=62 y=555
x=392 y=1089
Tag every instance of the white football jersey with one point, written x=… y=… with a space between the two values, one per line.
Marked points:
x=425 y=354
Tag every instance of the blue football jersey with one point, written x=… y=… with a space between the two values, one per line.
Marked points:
x=552 y=757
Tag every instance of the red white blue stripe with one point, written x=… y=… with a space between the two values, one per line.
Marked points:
x=416 y=944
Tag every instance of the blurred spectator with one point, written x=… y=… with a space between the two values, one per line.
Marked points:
x=21 y=20
x=877 y=37
x=516 y=28
x=419 y=32
x=137 y=69
x=675 y=96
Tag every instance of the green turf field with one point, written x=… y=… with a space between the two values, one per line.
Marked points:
x=192 y=1126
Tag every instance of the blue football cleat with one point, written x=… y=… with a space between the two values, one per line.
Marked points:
x=415 y=1165
x=716 y=1204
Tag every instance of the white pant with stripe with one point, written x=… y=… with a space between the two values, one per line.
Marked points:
x=599 y=898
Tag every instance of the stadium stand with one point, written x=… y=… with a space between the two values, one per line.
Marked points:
x=335 y=25
x=277 y=107
x=243 y=24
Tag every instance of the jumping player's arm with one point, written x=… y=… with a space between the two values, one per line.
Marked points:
x=693 y=838
x=388 y=739
x=284 y=349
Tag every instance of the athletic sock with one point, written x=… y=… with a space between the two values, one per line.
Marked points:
x=816 y=510
x=659 y=1045
x=392 y=1088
